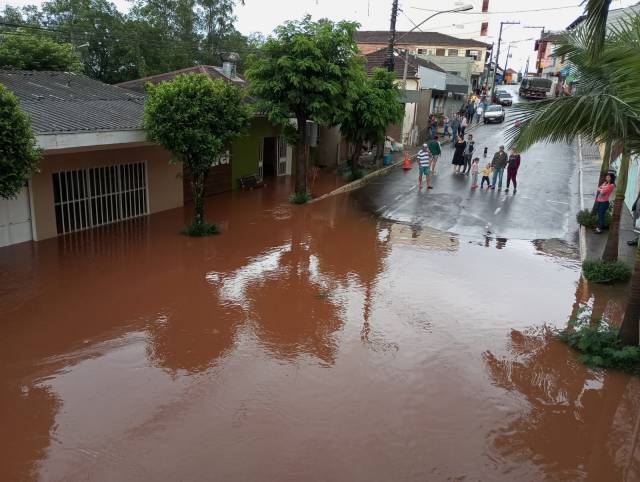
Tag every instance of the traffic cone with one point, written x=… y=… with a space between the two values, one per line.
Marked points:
x=406 y=165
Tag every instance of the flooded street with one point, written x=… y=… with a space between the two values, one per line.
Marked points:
x=304 y=343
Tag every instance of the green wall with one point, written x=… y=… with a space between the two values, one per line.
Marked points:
x=245 y=151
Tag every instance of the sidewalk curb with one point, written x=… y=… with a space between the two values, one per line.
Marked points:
x=352 y=186
x=582 y=236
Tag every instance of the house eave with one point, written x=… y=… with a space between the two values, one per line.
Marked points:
x=74 y=140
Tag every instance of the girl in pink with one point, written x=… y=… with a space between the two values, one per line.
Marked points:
x=602 y=200
x=475 y=165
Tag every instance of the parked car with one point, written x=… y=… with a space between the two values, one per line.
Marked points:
x=504 y=98
x=494 y=113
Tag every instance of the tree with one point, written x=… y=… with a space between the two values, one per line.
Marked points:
x=375 y=106
x=306 y=71
x=19 y=154
x=22 y=50
x=196 y=119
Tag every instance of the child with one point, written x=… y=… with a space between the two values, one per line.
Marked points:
x=486 y=173
x=475 y=165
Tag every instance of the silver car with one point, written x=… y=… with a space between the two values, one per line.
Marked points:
x=494 y=113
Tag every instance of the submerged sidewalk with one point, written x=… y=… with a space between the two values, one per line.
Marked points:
x=594 y=244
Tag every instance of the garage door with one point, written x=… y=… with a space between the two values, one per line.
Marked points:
x=15 y=219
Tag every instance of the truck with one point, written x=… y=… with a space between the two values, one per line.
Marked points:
x=535 y=87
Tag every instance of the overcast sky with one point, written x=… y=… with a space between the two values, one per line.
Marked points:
x=263 y=15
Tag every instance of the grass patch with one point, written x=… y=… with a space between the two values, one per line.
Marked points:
x=589 y=219
x=599 y=271
x=599 y=346
x=199 y=230
x=300 y=198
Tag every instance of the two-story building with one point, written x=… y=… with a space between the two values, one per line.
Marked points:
x=463 y=58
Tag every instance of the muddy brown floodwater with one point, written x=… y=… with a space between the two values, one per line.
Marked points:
x=304 y=343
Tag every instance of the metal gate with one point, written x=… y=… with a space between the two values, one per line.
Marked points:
x=86 y=198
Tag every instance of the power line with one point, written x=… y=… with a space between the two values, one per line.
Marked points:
x=503 y=12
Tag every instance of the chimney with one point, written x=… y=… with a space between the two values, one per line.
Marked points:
x=229 y=64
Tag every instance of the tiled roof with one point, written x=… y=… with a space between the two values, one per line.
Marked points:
x=60 y=102
x=377 y=59
x=210 y=70
x=417 y=38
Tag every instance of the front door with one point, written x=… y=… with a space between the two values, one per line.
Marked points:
x=15 y=219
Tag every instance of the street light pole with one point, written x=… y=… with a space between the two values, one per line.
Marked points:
x=495 y=70
x=390 y=62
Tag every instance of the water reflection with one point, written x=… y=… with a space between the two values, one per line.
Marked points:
x=571 y=415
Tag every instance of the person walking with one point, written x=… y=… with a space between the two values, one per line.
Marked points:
x=512 y=170
x=433 y=125
x=445 y=126
x=486 y=172
x=463 y=125
x=479 y=113
x=458 y=155
x=475 y=167
x=455 y=127
x=435 y=150
x=468 y=154
x=424 y=163
x=602 y=200
x=498 y=164
x=471 y=108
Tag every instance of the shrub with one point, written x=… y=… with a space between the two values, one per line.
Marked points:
x=589 y=219
x=353 y=176
x=598 y=344
x=599 y=271
x=200 y=229
x=299 y=198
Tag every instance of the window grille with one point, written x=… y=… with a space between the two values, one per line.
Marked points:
x=86 y=198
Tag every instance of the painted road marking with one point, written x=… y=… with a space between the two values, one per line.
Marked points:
x=557 y=202
x=497 y=211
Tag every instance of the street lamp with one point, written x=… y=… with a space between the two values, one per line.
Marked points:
x=390 y=59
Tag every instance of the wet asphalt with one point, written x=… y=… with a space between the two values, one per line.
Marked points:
x=544 y=206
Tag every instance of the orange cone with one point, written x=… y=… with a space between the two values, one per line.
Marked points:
x=406 y=165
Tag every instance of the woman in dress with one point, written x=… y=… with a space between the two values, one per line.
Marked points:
x=458 y=155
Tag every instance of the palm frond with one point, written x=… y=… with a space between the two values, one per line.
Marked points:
x=597 y=12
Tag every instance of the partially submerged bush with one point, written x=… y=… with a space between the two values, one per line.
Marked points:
x=599 y=346
x=298 y=198
x=354 y=176
x=599 y=271
x=199 y=230
x=589 y=219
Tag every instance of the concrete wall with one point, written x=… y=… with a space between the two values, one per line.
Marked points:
x=329 y=152
x=164 y=180
x=422 y=114
x=432 y=79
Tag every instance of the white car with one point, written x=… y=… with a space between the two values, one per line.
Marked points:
x=494 y=113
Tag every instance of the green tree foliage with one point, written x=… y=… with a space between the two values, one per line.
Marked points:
x=308 y=71
x=155 y=36
x=23 y=50
x=196 y=119
x=18 y=152
x=375 y=106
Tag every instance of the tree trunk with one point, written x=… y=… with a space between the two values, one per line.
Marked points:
x=611 y=249
x=604 y=169
x=629 y=330
x=379 y=152
x=301 y=158
x=198 y=181
x=353 y=160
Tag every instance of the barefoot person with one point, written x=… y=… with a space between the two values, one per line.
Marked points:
x=424 y=163
x=435 y=151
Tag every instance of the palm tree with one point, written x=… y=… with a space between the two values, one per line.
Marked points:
x=605 y=108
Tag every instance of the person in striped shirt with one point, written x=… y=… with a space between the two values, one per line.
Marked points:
x=424 y=168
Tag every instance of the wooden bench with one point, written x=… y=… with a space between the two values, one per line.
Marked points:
x=251 y=181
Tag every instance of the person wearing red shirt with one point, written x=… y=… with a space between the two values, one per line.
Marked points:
x=602 y=199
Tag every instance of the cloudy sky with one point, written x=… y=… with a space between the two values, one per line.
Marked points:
x=264 y=15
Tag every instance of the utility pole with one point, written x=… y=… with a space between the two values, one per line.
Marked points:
x=389 y=62
x=506 y=62
x=495 y=72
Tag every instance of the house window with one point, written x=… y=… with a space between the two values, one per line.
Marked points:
x=484 y=29
x=475 y=54
x=86 y=198
x=485 y=6
x=422 y=52
x=452 y=53
x=440 y=52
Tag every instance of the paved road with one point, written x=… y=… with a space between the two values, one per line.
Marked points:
x=543 y=208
